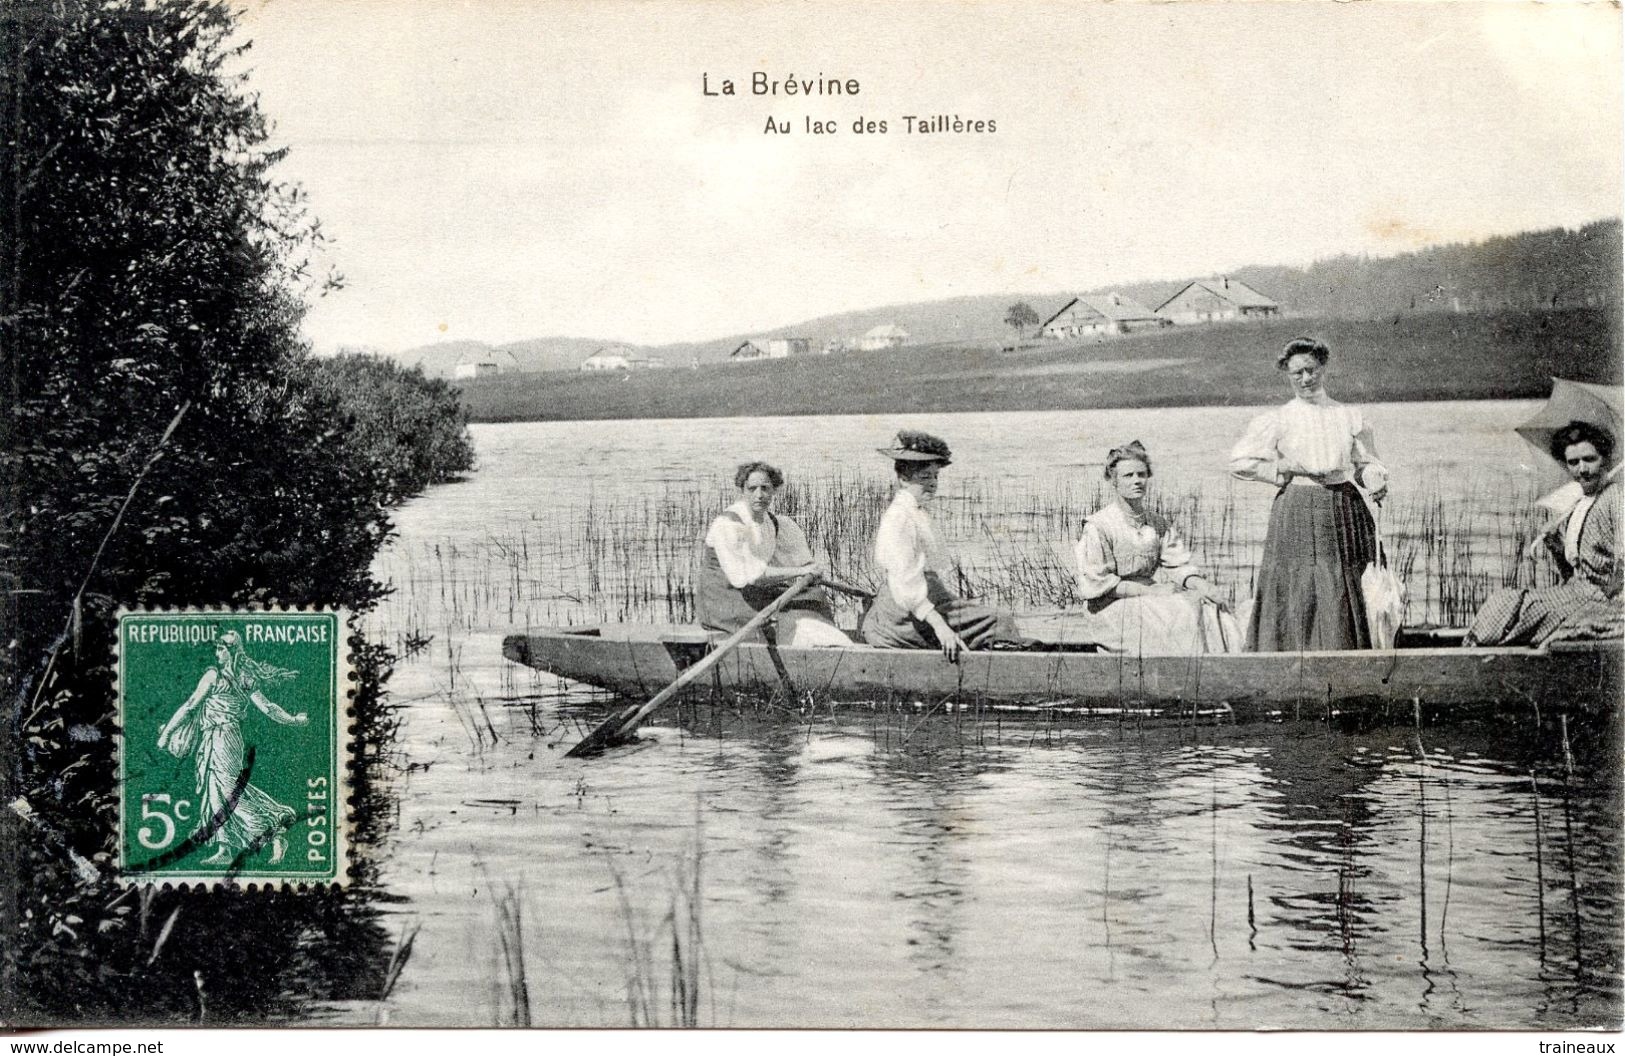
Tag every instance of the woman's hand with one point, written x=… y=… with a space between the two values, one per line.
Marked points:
x=1204 y=590
x=301 y=719
x=1130 y=589
x=952 y=644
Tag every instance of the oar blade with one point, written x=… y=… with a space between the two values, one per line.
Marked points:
x=618 y=728
x=603 y=736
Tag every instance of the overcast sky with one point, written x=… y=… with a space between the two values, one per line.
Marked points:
x=502 y=169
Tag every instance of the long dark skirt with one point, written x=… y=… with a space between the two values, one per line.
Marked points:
x=1319 y=541
x=889 y=625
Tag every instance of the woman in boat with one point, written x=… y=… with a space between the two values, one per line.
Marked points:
x=751 y=556
x=1321 y=536
x=915 y=610
x=1584 y=543
x=1144 y=593
x=232 y=815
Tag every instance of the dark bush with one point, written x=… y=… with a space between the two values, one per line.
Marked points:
x=153 y=276
x=412 y=427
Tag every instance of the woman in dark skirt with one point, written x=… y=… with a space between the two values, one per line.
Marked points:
x=1321 y=537
x=752 y=555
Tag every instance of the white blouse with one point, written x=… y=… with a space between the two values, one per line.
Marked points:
x=1115 y=547
x=1323 y=436
x=906 y=548
x=746 y=550
x=1571 y=529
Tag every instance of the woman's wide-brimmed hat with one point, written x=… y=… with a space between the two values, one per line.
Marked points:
x=912 y=445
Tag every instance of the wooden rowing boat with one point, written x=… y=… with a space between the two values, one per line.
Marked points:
x=638 y=660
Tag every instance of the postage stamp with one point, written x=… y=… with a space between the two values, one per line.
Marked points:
x=233 y=758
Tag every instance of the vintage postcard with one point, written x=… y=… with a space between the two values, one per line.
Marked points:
x=1070 y=516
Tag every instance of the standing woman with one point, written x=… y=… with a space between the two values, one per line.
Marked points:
x=751 y=556
x=1321 y=537
x=915 y=609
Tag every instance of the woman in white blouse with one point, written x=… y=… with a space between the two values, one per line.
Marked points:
x=1321 y=537
x=1145 y=594
x=915 y=610
x=751 y=555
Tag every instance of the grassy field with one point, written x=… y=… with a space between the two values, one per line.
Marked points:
x=1409 y=357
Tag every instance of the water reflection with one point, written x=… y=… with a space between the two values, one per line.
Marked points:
x=904 y=866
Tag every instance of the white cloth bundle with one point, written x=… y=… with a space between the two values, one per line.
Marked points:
x=1384 y=594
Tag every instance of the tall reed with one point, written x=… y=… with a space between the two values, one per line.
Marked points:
x=633 y=558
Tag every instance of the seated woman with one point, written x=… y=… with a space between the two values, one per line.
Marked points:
x=751 y=556
x=915 y=610
x=1585 y=545
x=1123 y=549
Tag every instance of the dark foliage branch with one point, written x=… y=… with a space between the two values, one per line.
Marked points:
x=153 y=260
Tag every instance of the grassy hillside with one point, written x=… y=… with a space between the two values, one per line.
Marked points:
x=1551 y=269
x=1409 y=357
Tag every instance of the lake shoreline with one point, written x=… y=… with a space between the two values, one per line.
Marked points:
x=1406 y=359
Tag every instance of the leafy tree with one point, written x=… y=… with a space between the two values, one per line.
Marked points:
x=413 y=428
x=1020 y=316
x=167 y=441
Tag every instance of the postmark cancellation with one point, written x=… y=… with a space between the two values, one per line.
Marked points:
x=234 y=758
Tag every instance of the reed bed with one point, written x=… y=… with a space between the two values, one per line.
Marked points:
x=633 y=558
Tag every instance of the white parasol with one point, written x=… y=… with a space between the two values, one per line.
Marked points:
x=1571 y=401
x=1574 y=401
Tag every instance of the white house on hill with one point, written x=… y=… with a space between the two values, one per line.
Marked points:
x=608 y=359
x=475 y=365
x=887 y=335
x=772 y=348
x=1098 y=315
x=1216 y=301
x=781 y=347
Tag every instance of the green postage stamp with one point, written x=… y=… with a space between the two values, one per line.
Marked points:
x=233 y=757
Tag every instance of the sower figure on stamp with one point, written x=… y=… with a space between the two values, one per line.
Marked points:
x=209 y=728
x=915 y=610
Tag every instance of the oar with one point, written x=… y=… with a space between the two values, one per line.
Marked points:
x=623 y=722
x=842 y=588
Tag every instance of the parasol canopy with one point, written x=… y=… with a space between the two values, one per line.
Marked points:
x=1574 y=401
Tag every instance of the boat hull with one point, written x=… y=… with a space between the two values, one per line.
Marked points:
x=640 y=661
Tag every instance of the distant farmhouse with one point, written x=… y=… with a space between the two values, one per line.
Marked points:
x=880 y=338
x=1216 y=301
x=476 y=365
x=617 y=358
x=772 y=348
x=608 y=359
x=1097 y=316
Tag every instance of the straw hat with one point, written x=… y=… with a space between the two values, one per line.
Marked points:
x=912 y=445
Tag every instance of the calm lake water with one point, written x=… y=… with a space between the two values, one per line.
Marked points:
x=891 y=870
